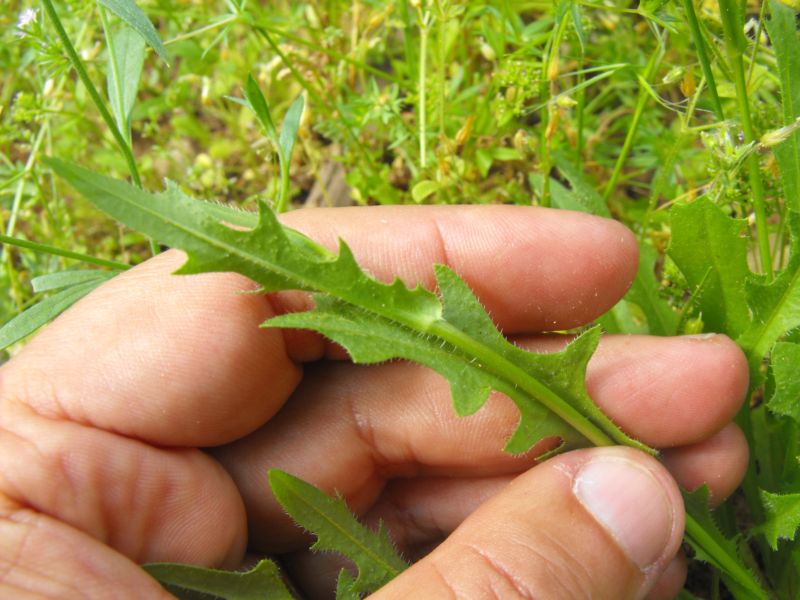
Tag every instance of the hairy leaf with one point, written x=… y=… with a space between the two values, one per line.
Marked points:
x=775 y=306
x=130 y=13
x=708 y=247
x=582 y=190
x=782 y=28
x=784 y=362
x=338 y=530
x=278 y=260
x=711 y=546
x=262 y=581
x=783 y=517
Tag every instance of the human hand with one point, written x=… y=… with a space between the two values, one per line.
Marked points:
x=102 y=413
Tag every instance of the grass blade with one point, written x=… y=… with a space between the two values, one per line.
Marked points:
x=125 y=60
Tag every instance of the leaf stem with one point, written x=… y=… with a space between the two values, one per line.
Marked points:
x=641 y=102
x=702 y=55
x=77 y=64
x=424 y=28
x=734 y=45
x=530 y=385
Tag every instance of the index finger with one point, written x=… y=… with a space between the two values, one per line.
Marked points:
x=181 y=360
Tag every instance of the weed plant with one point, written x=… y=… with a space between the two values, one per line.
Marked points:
x=681 y=119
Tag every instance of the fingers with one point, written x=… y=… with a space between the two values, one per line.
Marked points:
x=43 y=558
x=600 y=523
x=181 y=361
x=372 y=424
x=149 y=504
x=169 y=360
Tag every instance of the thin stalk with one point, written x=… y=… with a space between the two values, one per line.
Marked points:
x=424 y=23
x=699 y=536
x=580 y=111
x=190 y=34
x=441 y=30
x=38 y=247
x=641 y=102
x=702 y=55
x=735 y=47
x=77 y=64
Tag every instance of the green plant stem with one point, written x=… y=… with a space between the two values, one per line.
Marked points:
x=441 y=31
x=424 y=23
x=698 y=535
x=77 y=64
x=525 y=382
x=641 y=103
x=702 y=55
x=734 y=45
x=38 y=247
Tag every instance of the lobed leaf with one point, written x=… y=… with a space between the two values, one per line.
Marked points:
x=338 y=530
x=708 y=246
x=783 y=517
x=775 y=306
x=186 y=581
x=784 y=362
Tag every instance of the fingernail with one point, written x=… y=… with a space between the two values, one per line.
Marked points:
x=630 y=503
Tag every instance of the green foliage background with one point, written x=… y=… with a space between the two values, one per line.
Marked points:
x=680 y=119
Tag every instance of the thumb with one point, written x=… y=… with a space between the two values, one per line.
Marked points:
x=595 y=523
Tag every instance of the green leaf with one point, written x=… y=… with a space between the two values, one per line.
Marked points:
x=775 y=306
x=255 y=100
x=43 y=312
x=783 y=517
x=785 y=365
x=278 y=260
x=62 y=279
x=262 y=581
x=125 y=60
x=130 y=13
x=703 y=238
x=289 y=127
x=782 y=28
x=583 y=191
x=712 y=547
x=661 y=317
x=423 y=189
x=338 y=530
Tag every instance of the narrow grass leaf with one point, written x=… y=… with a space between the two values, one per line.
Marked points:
x=703 y=238
x=62 y=279
x=783 y=517
x=782 y=29
x=130 y=13
x=785 y=363
x=257 y=103
x=289 y=127
x=338 y=530
x=125 y=60
x=43 y=312
x=262 y=581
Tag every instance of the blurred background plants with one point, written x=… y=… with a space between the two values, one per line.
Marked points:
x=620 y=109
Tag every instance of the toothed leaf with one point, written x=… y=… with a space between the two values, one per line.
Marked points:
x=338 y=530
